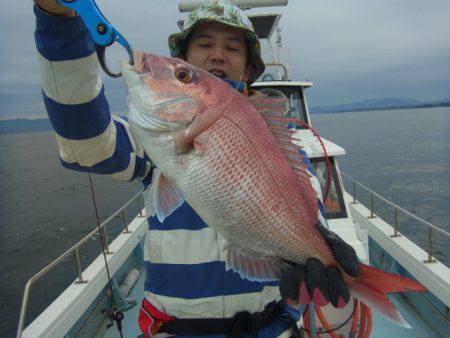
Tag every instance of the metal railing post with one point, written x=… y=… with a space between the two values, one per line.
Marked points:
x=396 y=234
x=125 y=221
x=105 y=240
x=354 y=194
x=139 y=206
x=430 y=248
x=371 y=206
x=79 y=270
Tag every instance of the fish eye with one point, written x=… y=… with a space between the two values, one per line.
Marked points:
x=183 y=74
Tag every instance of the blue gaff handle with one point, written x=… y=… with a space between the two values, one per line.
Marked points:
x=102 y=32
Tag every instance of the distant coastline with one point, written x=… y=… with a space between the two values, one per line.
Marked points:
x=39 y=125
x=314 y=110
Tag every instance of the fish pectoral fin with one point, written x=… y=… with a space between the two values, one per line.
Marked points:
x=183 y=142
x=184 y=138
x=165 y=197
x=255 y=268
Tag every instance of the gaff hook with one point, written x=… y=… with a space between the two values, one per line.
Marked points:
x=102 y=32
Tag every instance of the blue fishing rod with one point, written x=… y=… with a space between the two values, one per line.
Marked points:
x=102 y=32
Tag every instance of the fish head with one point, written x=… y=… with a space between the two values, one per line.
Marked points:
x=167 y=93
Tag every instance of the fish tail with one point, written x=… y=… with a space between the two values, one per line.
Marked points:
x=372 y=286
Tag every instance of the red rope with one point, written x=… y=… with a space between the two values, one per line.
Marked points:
x=327 y=160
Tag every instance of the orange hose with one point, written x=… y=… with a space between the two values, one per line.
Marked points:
x=362 y=327
x=306 y=321
x=369 y=322
x=355 y=317
x=325 y=323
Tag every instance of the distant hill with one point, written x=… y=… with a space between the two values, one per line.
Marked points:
x=19 y=126
x=379 y=104
x=24 y=125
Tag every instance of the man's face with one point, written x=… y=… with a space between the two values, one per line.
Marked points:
x=220 y=50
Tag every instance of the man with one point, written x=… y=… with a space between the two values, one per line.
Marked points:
x=188 y=290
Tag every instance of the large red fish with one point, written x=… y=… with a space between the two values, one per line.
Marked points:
x=233 y=161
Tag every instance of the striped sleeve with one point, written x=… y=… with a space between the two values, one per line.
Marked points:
x=89 y=138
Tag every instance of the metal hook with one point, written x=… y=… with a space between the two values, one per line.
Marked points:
x=102 y=32
x=101 y=54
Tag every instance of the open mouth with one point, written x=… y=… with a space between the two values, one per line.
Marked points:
x=217 y=72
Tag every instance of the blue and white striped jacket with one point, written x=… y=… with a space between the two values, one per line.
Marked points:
x=184 y=258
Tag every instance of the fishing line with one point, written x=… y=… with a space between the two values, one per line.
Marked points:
x=112 y=314
x=239 y=83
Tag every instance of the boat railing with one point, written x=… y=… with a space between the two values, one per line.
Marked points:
x=285 y=77
x=75 y=251
x=395 y=214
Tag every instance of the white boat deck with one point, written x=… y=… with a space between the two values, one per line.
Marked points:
x=382 y=328
x=130 y=321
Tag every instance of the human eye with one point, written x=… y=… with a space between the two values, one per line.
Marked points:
x=203 y=43
x=232 y=49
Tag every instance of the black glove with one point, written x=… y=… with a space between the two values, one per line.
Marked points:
x=313 y=283
x=342 y=252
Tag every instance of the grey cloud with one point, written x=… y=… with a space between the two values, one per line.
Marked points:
x=351 y=49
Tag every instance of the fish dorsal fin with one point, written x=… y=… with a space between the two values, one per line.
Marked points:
x=165 y=197
x=272 y=111
x=254 y=268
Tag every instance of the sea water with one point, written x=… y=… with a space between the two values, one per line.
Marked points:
x=403 y=155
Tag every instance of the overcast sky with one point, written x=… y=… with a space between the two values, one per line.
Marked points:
x=351 y=49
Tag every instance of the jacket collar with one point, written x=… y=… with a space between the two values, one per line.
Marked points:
x=240 y=86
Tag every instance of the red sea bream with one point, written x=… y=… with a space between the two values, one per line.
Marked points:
x=233 y=161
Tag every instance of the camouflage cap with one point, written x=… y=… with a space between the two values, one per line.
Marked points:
x=227 y=13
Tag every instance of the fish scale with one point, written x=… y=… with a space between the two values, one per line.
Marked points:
x=261 y=217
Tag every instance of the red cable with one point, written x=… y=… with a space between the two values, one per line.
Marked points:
x=316 y=134
x=362 y=327
x=355 y=318
x=325 y=323
x=369 y=322
x=306 y=321
x=327 y=160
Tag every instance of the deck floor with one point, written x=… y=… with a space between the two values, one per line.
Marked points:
x=385 y=328
x=130 y=323
x=382 y=328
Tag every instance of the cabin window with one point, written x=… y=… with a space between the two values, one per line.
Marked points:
x=334 y=204
x=296 y=107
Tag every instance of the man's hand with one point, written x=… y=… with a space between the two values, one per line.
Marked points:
x=313 y=283
x=53 y=7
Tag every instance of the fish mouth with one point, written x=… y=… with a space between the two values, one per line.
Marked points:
x=129 y=75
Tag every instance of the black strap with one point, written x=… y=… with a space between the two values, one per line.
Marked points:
x=232 y=327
